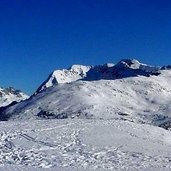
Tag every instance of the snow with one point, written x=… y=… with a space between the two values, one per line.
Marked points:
x=10 y=95
x=74 y=73
x=138 y=99
x=84 y=144
x=106 y=117
x=126 y=67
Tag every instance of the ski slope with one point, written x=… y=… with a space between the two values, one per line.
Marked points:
x=84 y=145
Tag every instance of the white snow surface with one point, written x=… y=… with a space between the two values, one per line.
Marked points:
x=107 y=117
x=106 y=71
x=81 y=144
x=75 y=73
x=139 y=99
x=9 y=95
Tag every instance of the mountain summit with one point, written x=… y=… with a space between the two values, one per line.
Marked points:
x=76 y=72
x=9 y=95
x=124 y=68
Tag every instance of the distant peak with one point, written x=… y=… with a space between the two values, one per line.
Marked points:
x=79 y=67
x=109 y=65
x=131 y=63
x=12 y=90
x=10 y=94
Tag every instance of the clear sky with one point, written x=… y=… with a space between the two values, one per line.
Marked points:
x=38 y=36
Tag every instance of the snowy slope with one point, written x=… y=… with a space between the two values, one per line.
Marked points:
x=138 y=93
x=78 y=145
x=106 y=117
x=138 y=98
x=9 y=95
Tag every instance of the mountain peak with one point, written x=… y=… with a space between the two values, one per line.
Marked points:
x=124 y=68
x=9 y=95
x=79 y=68
x=12 y=90
x=74 y=73
x=132 y=63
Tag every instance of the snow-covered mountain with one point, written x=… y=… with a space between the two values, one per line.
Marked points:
x=76 y=72
x=9 y=95
x=119 y=109
x=128 y=90
x=125 y=68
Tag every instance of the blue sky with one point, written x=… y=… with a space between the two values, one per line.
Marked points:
x=38 y=36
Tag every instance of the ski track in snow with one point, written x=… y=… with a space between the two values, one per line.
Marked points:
x=52 y=144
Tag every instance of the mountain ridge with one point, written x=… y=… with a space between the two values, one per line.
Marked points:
x=9 y=95
x=127 y=90
x=124 y=68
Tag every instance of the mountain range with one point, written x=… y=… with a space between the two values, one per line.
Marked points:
x=127 y=90
x=104 y=117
